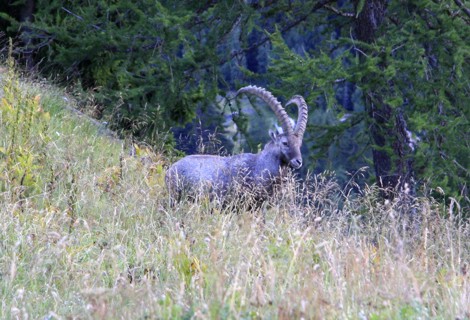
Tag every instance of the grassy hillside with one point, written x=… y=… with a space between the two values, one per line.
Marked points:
x=86 y=232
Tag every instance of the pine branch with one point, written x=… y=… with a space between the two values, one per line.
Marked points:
x=287 y=27
x=321 y=4
x=79 y=17
x=461 y=6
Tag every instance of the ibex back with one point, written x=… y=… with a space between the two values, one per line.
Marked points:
x=253 y=173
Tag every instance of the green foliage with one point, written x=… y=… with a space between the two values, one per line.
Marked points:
x=24 y=130
x=435 y=88
x=418 y=65
x=99 y=240
x=144 y=60
x=154 y=65
x=319 y=77
x=359 y=7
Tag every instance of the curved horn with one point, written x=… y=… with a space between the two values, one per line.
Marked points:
x=273 y=103
x=302 y=107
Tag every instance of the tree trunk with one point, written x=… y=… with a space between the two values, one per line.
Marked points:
x=26 y=15
x=392 y=150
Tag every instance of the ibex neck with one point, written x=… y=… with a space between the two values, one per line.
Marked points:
x=269 y=160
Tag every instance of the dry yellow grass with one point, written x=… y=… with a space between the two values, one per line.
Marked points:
x=92 y=236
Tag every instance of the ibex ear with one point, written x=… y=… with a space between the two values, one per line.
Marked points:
x=273 y=134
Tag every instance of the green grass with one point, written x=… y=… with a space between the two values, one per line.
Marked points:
x=87 y=232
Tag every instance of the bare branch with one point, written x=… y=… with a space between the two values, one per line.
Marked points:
x=339 y=12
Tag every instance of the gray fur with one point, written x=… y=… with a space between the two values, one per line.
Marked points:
x=256 y=173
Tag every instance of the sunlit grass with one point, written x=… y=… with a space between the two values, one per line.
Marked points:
x=92 y=235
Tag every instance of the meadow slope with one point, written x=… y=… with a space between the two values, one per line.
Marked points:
x=86 y=232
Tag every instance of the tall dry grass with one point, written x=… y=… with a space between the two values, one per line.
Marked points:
x=92 y=236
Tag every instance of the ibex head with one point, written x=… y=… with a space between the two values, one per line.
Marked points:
x=290 y=140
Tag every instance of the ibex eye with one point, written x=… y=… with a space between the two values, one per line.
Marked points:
x=284 y=143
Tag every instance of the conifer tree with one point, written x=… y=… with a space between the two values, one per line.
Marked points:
x=400 y=68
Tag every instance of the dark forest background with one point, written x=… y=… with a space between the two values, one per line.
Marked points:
x=387 y=82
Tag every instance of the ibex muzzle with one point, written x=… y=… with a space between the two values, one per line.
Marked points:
x=259 y=172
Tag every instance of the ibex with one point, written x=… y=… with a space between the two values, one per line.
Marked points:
x=246 y=172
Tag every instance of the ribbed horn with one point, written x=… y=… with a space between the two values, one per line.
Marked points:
x=302 y=107
x=273 y=103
